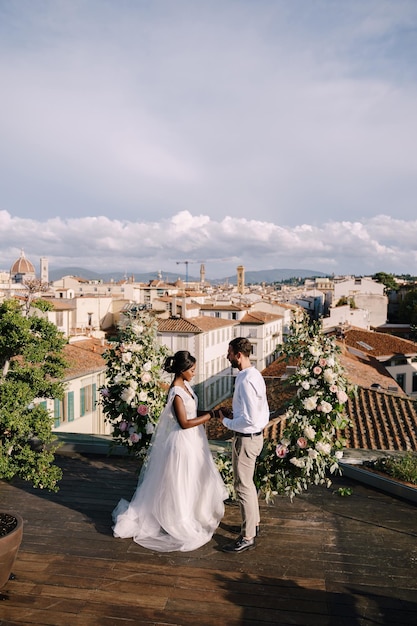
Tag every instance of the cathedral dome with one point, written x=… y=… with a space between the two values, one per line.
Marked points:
x=22 y=267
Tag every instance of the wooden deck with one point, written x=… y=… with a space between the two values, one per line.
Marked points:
x=322 y=560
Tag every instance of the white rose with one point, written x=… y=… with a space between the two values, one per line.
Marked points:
x=339 y=454
x=147 y=366
x=323 y=448
x=300 y=462
x=127 y=395
x=126 y=357
x=328 y=376
x=313 y=454
x=310 y=403
x=143 y=396
x=305 y=385
x=309 y=432
x=149 y=428
x=326 y=407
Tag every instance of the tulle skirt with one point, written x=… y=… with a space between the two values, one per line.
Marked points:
x=179 y=501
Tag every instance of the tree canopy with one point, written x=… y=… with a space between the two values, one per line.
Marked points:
x=31 y=368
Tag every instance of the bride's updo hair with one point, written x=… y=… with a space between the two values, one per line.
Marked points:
x=180 y=362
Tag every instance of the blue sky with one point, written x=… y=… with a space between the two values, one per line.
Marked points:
x=268 y=133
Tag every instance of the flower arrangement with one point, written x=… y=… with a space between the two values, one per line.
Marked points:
x=311 y=447
x=134 y=395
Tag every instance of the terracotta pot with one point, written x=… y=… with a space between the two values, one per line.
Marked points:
x=9 y=546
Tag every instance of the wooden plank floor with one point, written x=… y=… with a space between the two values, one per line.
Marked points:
x=323 y=560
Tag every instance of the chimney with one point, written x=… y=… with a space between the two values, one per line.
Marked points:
x=184 y=313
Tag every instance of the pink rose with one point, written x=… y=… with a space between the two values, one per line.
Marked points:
x=302 y=442
x=281 y=451
x=123 y=426
x=342 y=396
x=143 y=409
x=135 y=437
x=317 y=370
x=105 y=392
x=146 y=377
x=322 y=362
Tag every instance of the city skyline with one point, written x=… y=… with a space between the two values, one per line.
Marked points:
x=268 y=134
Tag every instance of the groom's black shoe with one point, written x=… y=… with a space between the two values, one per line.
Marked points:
x=240 y=545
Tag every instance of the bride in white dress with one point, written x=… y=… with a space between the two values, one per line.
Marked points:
x=179 y=500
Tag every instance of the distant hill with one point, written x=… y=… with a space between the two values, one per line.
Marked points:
x=255 y=277
x=273 y=276
x=80 y=272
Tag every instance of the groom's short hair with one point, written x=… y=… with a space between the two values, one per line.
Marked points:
x=241 y=344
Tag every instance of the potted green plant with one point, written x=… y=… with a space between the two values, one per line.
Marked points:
x=11 y=532
x=31 y=365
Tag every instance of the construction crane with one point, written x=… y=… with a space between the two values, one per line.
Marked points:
x=186 y=268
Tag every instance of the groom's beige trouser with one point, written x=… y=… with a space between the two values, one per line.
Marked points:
x=245 y=451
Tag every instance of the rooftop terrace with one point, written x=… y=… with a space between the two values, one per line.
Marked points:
x=323 y=560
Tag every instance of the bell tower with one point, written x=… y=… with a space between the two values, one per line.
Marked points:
x=44 y=270
x=202 y=274
x=240 y=279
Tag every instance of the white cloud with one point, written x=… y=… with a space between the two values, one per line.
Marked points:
x=102 y=244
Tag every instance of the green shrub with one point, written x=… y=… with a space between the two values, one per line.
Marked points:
x=402 y=468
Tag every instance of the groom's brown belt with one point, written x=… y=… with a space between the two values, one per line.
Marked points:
x=247 y=434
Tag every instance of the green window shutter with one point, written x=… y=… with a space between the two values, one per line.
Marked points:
x=57 y=413
x=82 y=401
x=94 y=393
x=70 y=405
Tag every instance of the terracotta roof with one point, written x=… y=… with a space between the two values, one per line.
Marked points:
x=381 y=421
x=159 y=283
x=382 y=345
x=206 y=323
x=84 y=357
x=80 y=279
x=164 y=299
x=366 y=371
x=222 y=307
x=62 y=304
x=259 y=317
x=193 y=324
x=177 y=325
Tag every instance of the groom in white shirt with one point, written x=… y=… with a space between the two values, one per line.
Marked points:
x=250 y=416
